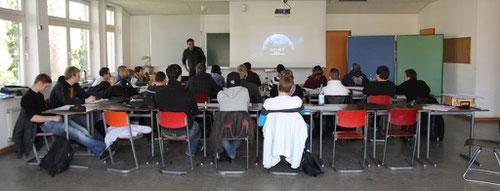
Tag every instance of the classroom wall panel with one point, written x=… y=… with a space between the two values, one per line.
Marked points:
x=424 y=54
x=336 y=52
x=371 y=52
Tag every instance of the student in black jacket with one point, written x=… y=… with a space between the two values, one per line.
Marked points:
x=382 y=86
x=252 y=76
x=174 y=98
x=203 y=83
x=355 y=77
x=413 y=88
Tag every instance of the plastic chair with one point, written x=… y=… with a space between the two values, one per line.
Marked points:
x=401 y=117
x=202 y=98
x=35 y=152
x=235 y=172
x=480 y=143
x=121 y=119
x=351 y=119
x=173 y=120
x=379 y=99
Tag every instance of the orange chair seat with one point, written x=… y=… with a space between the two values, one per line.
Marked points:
x=349 y=135
x=398 y=133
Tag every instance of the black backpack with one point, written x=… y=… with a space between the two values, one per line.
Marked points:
x=59 y=156
x=121 y=89
x=99 y=90
x=309 y=165
x=437 y=121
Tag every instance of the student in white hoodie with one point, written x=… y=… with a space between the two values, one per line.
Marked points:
x=233 y=98
x=334 y=86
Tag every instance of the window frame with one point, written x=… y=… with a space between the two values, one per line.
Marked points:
x=18 y=16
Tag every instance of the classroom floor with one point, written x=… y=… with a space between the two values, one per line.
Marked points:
x=447 y=176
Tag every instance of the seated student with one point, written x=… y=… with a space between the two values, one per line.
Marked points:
x=160 y=82
x=139 y=78
x=284 y=103
x=252 y=76
x=296 y=89
x=335 y=87
x=104 y=76
x=381 y=86
x=355 y=77
x=174 y=98
x=67 y=91
x=316 y=79
x=233 y=98
x=276 y=79
x=217 y=75
x=122 y=73
x=202 y=83
x=33 y=102
x=253 y=90
x=130 y=74
x=413 y=88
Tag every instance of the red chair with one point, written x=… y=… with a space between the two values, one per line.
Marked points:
x=401 y=117
x=173 y=120
x=379 y=99
x=351 y=119
x=121 y=119
x=234 y=172
x=202 y=98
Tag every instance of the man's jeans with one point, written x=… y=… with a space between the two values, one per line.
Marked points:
x=76 y=133
x=195 y=134
x=82 y=121
x=230 y=147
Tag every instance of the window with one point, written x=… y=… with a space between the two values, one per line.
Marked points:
x=69 y=36
x=10 y=51
x=110 y=45
x=110 y=17
x=11 y=4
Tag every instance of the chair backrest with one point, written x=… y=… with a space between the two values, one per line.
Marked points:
x=351 y=119
x=403 y=116
x=338 y=99
x=379 y=99
x=172 y=120
x=201 y=98
x=116 y=118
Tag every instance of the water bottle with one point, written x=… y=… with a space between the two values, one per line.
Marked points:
x=321 y=96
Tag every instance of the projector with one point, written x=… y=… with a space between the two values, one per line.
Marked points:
x=282 y=12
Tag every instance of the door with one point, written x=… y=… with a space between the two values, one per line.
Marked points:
x=336 y=52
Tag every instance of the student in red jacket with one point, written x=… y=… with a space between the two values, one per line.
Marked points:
x=316 y=78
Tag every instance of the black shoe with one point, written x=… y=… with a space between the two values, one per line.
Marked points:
x=104 y=156
x=224 y=158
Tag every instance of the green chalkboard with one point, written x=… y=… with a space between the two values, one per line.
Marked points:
x=218 y=49
x=424 y=54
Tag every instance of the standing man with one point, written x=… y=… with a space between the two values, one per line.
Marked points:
x=194 y=55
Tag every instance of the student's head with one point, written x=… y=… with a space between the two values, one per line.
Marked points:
x=122 y=71
x=410 y=74
x=355 y=67
x=130 y=73
x=42 y=82
x=139 y=70
x=285 y=84
x=382 y=73
x=104 y=72
x=280 y=68
x=160 y=78
x=174 y=72
x=233 y=79
x=317 y=72
x=334 y=74
x=190 y=43
x=242 y=70
x=248 y=65
x=201 y=68
x=72 y=75
x=216 y=69
x=285 y=73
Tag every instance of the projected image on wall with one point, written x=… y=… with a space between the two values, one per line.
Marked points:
x=277 y=45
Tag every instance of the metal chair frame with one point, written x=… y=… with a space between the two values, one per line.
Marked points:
x=496 y=152
x=35 y=152
x=235 y=172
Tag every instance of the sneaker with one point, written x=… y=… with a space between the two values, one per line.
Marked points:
x=104 y=156
x=223 y=157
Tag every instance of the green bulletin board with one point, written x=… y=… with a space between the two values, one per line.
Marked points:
x=424 y=54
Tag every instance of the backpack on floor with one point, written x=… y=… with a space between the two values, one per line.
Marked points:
x=437 y=121
x=59 y=156
x=309 y=165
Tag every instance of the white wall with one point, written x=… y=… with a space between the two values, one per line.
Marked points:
x=126 y=37
x=140 y=44
x=373 y=24
x=488 y=57
x=454 y=18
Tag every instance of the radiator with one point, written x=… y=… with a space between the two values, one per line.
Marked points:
x=12 y=115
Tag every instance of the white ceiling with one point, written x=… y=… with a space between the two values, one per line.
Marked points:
x=182 y=7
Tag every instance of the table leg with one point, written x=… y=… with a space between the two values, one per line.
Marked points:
x=374 y=152
x=418 y=141
x=320 y=138
x=257 y=142
x=311 y=124
x=204 y=135
x=427 y=154
x=152 y=135
x=66 y=128
x=471 y=136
